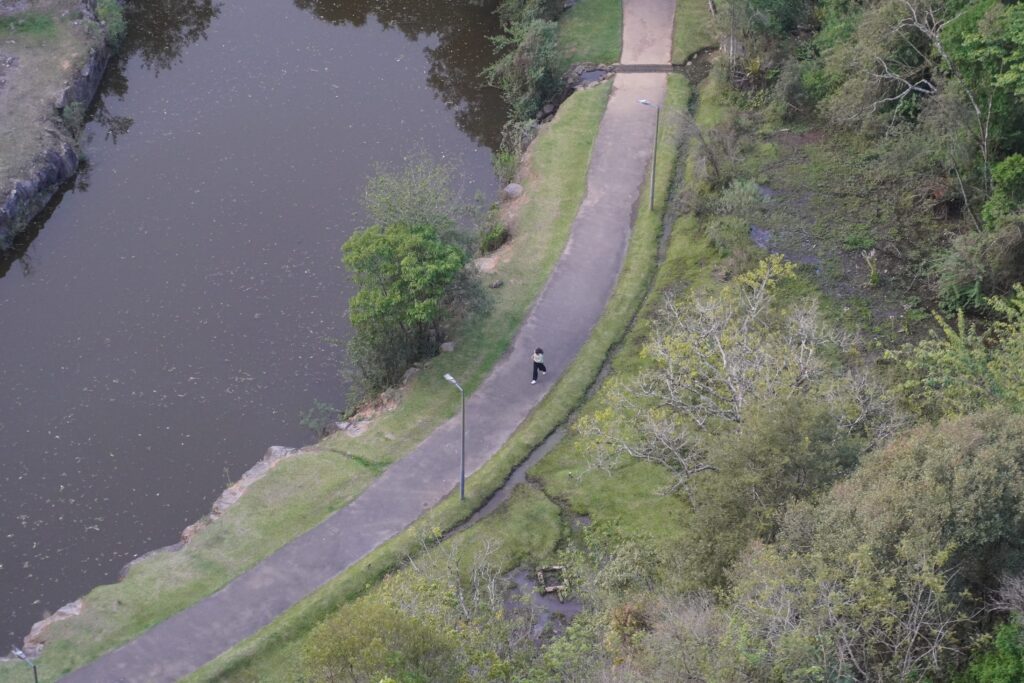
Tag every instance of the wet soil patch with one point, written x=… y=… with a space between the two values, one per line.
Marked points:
x=552 y=615
x=697 y=66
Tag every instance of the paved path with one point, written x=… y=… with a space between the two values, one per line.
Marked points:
x=560 y=322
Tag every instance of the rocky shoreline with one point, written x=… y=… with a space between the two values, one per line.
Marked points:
x=26 y=194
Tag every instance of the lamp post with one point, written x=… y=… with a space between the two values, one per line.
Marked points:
x=24 y=657
x=654 y=157
x=462 y=469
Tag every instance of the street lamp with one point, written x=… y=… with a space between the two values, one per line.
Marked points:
x=654 y=157
x=24 y=657
x=462 y=470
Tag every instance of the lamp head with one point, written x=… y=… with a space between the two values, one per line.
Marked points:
x=449 y=378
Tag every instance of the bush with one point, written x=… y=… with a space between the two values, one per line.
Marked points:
x=1008 y=181
x=493 y=238
x=410 y=267
x=792 y=94
x=952 y=494
x=505 y=164
x=741 y=197
x=1002 y=661
x=112 y=16
x=318 y=419
x=73 y=115
x=525 y=68
x=880 y=581
x=367 y=641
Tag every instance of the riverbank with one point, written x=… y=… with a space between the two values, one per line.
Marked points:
x=53 y=56
x=300 y=492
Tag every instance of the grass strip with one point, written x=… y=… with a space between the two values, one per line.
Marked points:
x=590 y=31
x=693 y=29
x=300 y=493
x=27 y=23
x=260 y=657
x=628 y=499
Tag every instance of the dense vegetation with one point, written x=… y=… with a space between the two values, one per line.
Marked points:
x=939 y=85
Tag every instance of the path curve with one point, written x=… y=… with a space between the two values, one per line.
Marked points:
x=561 y=320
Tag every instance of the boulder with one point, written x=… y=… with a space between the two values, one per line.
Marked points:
x=513 y=191
x=448 y=347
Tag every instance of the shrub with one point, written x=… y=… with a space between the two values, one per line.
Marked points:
x=319 y=418
x=741 y=197
x=505 y=163
x=111 y=14
x=527 y=49
x=493 y=237
x=73 y=116
x=367 y=641
x=880 y=580
x=979 y=263
x=1008 y=181
x=1001 y=661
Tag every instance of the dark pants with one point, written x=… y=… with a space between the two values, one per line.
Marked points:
x=536 y=367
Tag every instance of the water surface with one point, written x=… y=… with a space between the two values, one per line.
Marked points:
x=163 y=323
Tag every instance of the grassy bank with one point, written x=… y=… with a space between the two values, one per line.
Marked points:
x=693 y=29
x=270 y=654
x=301 y=492
x=590 y=31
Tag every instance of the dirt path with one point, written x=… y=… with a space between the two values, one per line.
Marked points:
x=560 y=321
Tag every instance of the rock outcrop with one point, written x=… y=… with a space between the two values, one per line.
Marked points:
x=23 y=196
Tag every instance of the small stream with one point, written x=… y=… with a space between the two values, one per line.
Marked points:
x=164 y=321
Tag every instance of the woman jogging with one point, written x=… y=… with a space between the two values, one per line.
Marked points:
x=538 y=364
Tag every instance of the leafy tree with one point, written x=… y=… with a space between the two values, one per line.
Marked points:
x=782 y=452
x=986 y=43
x=405 y=274
x=881 y=580
x=412 y=270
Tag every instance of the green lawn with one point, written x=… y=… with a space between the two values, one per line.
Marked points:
x=590 y=31
x=693 y=29
x=300 y=493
